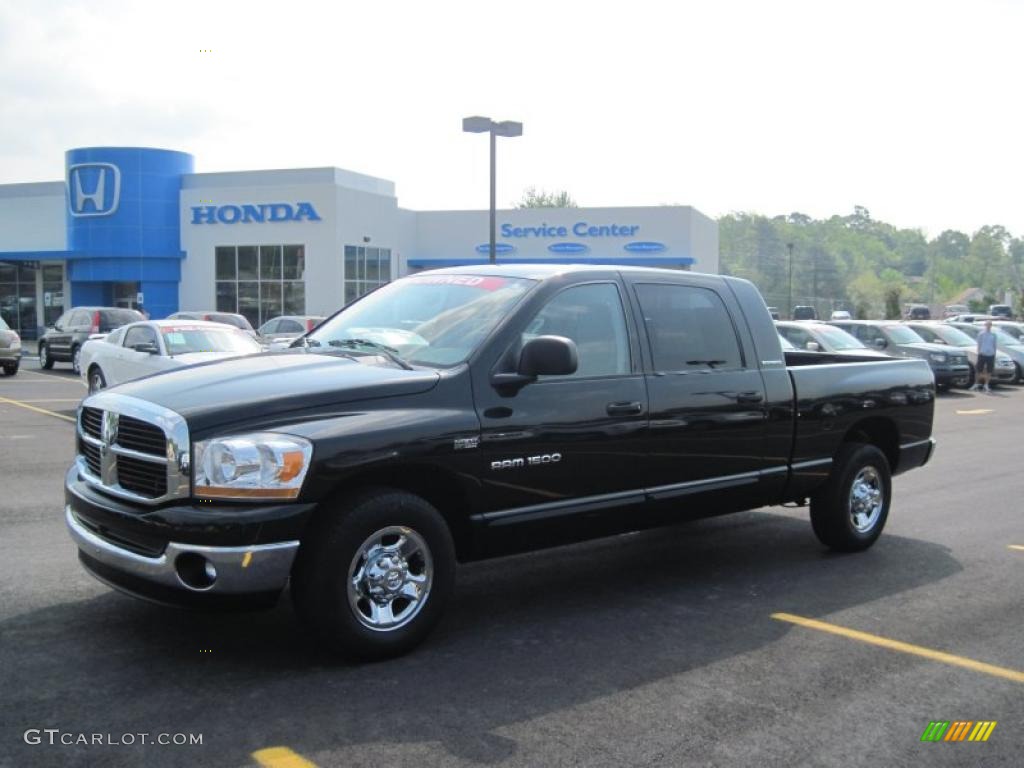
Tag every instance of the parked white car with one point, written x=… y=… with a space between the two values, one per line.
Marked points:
x=152 y=346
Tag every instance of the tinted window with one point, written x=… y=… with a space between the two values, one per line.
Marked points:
x=140 y=334
x=592 y=316
x=290 y=326
x=78 y=318
x=270 y=326
x=689 y=328
x=115 y=318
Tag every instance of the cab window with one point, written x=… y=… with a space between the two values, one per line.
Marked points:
x=592 y=316
x=689 y=328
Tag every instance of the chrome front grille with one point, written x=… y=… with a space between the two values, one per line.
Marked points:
x=133 y=449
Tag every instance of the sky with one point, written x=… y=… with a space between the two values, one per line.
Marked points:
x=910 y=109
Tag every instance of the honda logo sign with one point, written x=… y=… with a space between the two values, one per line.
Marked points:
x=94 y=189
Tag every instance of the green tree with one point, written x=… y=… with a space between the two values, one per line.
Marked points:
x=539 y=198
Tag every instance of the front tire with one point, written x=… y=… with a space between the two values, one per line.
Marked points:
x=97 y=381
x=45 y=361
x=374 y=573
x=849 y=512
x=11 y=370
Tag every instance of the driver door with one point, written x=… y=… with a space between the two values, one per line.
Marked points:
x=134 y=364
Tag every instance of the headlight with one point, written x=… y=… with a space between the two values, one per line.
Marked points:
x=938 y=357
x=262 y=465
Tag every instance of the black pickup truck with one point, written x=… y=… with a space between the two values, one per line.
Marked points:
x=467 y=413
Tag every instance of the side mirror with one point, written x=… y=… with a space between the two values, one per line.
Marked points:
x=541 y=356
x=548 y=356
x=812 y=346
x=148 y=347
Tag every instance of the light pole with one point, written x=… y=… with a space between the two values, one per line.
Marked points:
x=505 y=128
x=789 y=247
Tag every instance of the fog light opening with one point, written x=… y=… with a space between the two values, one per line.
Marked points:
x=195 y=571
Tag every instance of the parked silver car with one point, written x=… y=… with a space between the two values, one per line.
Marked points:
x=945 y=333
x=1004 y=343
x=821 y=337
x=279 y=332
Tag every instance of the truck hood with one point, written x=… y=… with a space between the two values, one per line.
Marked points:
x=237 y=390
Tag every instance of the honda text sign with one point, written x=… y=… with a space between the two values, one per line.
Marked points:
x=94 y=189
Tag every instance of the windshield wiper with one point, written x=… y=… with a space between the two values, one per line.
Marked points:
x=389 y=352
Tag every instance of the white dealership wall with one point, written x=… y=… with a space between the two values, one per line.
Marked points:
x=360 y=210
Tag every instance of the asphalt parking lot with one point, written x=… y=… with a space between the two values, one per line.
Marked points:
x=678 y=647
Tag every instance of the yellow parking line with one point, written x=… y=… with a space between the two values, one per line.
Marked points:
x=974 y=412
x=37 y=410
x=281 y=757
x=1019 y=547
x=897 y=645
x=51 y=400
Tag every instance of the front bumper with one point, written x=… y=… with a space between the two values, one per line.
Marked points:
x=10 y=354
x=951 y=375
x=155 y=553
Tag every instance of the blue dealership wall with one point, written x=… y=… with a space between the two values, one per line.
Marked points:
x=130 y=232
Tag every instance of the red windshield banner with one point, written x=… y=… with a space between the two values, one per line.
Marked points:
x=470 y=281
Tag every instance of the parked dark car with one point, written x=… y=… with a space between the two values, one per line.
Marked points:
x=1002 y=311
x=515 y=407
x=804 y=312
x=950 y=366
x=918 y=312
x=63 y=342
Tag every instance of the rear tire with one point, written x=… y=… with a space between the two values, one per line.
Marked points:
x=849 y=511
x=45 y=361
x=355 y=550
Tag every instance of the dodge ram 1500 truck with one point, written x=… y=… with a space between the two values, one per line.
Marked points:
x=467 y=413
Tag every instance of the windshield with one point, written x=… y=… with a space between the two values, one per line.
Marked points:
x=1011 y=330
x=185 y=339
x=435 y=320
x=1005 y=339
x=900 y=334
x=837 y=338
x=952 y=336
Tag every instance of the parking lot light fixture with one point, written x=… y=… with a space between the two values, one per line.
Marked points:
x=508 y=129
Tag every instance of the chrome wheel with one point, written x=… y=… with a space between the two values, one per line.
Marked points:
x=44 y=356
x=389 y=579
x=867 y=498
x=96 y=382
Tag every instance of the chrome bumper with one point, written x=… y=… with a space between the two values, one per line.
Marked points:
x=240 y=570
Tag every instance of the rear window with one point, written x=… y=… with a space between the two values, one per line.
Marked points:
x=234 y=320
x=115 y=318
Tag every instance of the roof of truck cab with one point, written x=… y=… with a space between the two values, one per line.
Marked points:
x=544 y=271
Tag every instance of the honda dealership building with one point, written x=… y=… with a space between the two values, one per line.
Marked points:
x=132 y=226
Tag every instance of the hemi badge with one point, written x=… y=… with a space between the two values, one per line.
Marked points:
x=466 y=443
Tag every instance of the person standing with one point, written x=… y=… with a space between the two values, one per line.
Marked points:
x=986 y=357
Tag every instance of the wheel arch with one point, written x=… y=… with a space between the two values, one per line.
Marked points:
x=442 y=489
x=880 y=432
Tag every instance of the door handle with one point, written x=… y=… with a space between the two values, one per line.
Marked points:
x=749 y=397
x=624 y=409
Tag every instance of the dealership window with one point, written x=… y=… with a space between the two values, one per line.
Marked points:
x=18 y=298
x=366 y=268
x=261 y=281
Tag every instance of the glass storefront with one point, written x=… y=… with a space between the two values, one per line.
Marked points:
x=261 y=281
x=366 y=268
x=53 y=293
x=18 y=297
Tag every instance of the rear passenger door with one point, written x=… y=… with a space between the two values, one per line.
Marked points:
x=707 y=399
